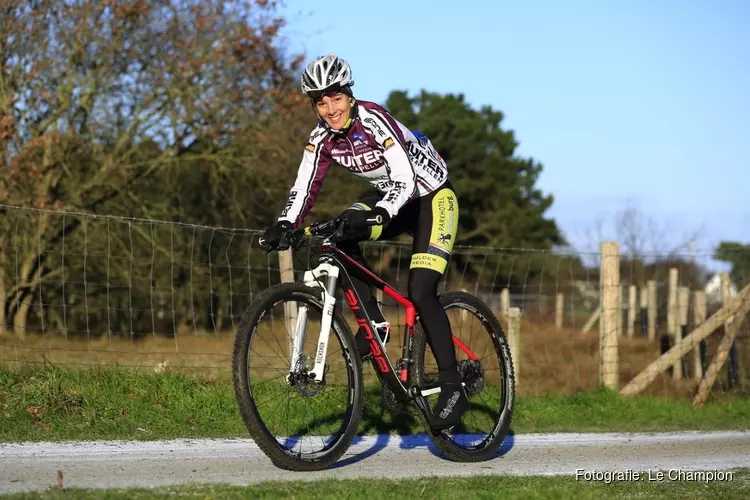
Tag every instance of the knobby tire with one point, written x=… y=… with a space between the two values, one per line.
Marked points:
x=340 y=330
x=502 y=425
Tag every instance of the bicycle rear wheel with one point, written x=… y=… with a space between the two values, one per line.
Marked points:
x=489 y=379
x=271 y=400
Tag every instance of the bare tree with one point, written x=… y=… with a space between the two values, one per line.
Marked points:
x=98 y=97
x=642 y=237
x=647 y=246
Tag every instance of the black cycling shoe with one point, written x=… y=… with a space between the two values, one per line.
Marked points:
x=384 y=331
x=451 y=405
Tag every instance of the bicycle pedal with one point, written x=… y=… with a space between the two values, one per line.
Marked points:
x=421 y=402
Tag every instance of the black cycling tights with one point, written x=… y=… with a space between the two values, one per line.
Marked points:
x=432 y=220
x=422 y=291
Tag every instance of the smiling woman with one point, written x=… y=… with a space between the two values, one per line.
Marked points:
x=335 y=110
x=413 y=195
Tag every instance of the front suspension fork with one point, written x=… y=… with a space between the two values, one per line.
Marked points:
x=329 y=274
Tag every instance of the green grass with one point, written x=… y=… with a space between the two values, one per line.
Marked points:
x=39 y=402
x=435 y=488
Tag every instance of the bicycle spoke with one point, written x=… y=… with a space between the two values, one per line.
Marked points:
x=490 y=383
x=309 y=422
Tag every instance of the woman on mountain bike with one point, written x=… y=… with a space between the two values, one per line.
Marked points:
x=413 y=196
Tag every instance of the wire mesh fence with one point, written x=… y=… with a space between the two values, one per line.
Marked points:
x=82 y=289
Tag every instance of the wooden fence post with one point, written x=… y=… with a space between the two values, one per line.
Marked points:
x=672 y=319
x=699 y=317
x=731 y=325
x=631 y=310
x=683 y=304
x=514 y=339
x=652 y=310
x=559 y=310
x=464 y=312
x=619 y=310
x=644 y=311
x=732 y=322
x=610 y=287
x=739 y=305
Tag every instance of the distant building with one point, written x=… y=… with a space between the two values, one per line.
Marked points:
x=713 y=290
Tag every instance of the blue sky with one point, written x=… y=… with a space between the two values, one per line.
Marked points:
x=640 y=103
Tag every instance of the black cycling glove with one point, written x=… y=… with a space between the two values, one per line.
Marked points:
x=272 y=236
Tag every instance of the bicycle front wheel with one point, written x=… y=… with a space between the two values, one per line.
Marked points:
x=486 y=370
x=300 y=424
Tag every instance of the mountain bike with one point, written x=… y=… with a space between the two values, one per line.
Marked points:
x=306 y=374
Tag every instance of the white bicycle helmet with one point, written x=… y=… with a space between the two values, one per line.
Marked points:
x=327 y=74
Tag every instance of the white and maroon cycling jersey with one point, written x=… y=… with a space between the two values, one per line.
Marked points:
x=401 y=164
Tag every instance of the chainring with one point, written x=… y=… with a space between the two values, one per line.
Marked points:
x=390 y=403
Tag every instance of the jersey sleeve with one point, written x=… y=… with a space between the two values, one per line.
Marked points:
x=316 y=161
x=388 y=133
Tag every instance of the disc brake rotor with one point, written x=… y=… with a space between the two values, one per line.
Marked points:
x=304 y=380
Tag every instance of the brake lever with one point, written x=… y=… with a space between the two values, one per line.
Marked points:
x=297 y=243
x=267 y=249
x=285 y=242
x=339 y=230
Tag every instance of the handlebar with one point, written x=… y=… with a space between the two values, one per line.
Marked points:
x=332 y=229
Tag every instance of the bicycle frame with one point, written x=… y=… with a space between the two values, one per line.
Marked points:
x=335 y=268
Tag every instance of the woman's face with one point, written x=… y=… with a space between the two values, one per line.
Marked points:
x=335 y=109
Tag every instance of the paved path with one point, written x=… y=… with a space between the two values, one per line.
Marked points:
x=103 y=464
